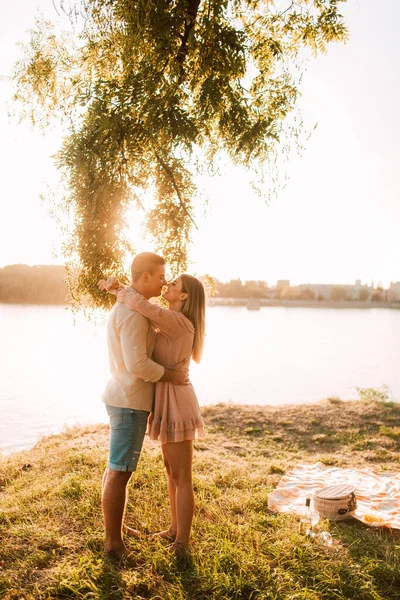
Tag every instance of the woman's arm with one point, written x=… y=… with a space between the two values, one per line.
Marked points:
x=169 y=322
x=112 y=285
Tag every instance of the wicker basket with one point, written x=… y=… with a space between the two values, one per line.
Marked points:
x=336 y=502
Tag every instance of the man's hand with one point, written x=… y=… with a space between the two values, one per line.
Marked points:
x=178 y=376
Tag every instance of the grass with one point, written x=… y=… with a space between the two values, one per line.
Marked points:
x=51 y=527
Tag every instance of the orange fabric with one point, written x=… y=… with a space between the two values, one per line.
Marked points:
x=378 y=494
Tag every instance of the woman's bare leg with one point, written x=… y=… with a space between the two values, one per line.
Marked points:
x=178 y=456
x=171 y=531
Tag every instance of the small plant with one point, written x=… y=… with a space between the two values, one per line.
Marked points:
x=390 y=432
x=335 y=400
x=276 y=470
x=380 y=394
x=254 y=431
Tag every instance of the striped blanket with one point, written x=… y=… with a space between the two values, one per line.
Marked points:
x=378 y=494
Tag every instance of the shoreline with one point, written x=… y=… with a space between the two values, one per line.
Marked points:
x=214 y=301
x=7 y=453
x=265 y=302
x=213 y=411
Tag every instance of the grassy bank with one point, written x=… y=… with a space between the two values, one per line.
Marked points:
x=51 y=527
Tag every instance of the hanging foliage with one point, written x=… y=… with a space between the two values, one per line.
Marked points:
x=142 y=85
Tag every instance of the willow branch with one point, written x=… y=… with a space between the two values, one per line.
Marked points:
x=193 y=7
x=170 y=174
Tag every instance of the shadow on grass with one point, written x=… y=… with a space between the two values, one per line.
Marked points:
x=376 y=550
x=110 y=582
x=186 y=572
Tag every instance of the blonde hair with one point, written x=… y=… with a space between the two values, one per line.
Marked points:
x=195 y=310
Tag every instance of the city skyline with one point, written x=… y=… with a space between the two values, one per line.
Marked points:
x=271 y=283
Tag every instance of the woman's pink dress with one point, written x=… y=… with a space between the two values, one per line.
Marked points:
x=176 y=413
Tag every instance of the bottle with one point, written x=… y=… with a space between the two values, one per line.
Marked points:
x=305 y=524
x=314 y=514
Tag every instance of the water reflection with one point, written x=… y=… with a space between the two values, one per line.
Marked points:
x=54 y=372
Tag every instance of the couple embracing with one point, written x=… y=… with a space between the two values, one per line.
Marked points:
x=149 y=352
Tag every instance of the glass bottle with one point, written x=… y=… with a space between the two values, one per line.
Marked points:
x=314 y=520
x=305 y=524
x=308 y=519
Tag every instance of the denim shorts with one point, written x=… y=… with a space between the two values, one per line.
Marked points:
x=127 y=429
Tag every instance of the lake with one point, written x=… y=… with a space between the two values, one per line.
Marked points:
x=53 y=371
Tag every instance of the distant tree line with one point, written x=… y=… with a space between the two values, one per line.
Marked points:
x=334 y=293
x=42 y=284
x=236 y=289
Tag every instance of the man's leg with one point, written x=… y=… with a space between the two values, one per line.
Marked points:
x=126 y=439
x=113 y=504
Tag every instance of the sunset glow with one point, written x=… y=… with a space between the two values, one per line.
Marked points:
x=338 y=218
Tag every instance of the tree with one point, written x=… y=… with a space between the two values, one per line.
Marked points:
x=289 y=293
x=307 y=294
x=234 y=289
x=255 y=289
x=338 y=293
x=143 y=87
x=32 y=285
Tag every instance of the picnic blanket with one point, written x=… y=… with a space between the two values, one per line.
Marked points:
x=378 y=494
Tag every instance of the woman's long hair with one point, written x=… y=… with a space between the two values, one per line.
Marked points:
x=195 y=310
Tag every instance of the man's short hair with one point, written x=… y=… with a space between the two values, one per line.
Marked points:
x=145 y=262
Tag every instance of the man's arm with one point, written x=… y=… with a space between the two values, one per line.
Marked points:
x=178 y=376
x=134 y=332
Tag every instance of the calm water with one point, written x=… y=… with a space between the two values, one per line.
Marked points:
x=53 y=372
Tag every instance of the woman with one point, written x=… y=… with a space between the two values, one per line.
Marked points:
x=176 y=419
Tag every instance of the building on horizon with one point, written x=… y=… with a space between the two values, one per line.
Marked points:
x=329 y=291
x=394 y=292
x=358 y=292
x=282 y=283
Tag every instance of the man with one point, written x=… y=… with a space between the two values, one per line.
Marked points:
x=129 y=393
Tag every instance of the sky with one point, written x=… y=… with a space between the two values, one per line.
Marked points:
x=337 y=219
